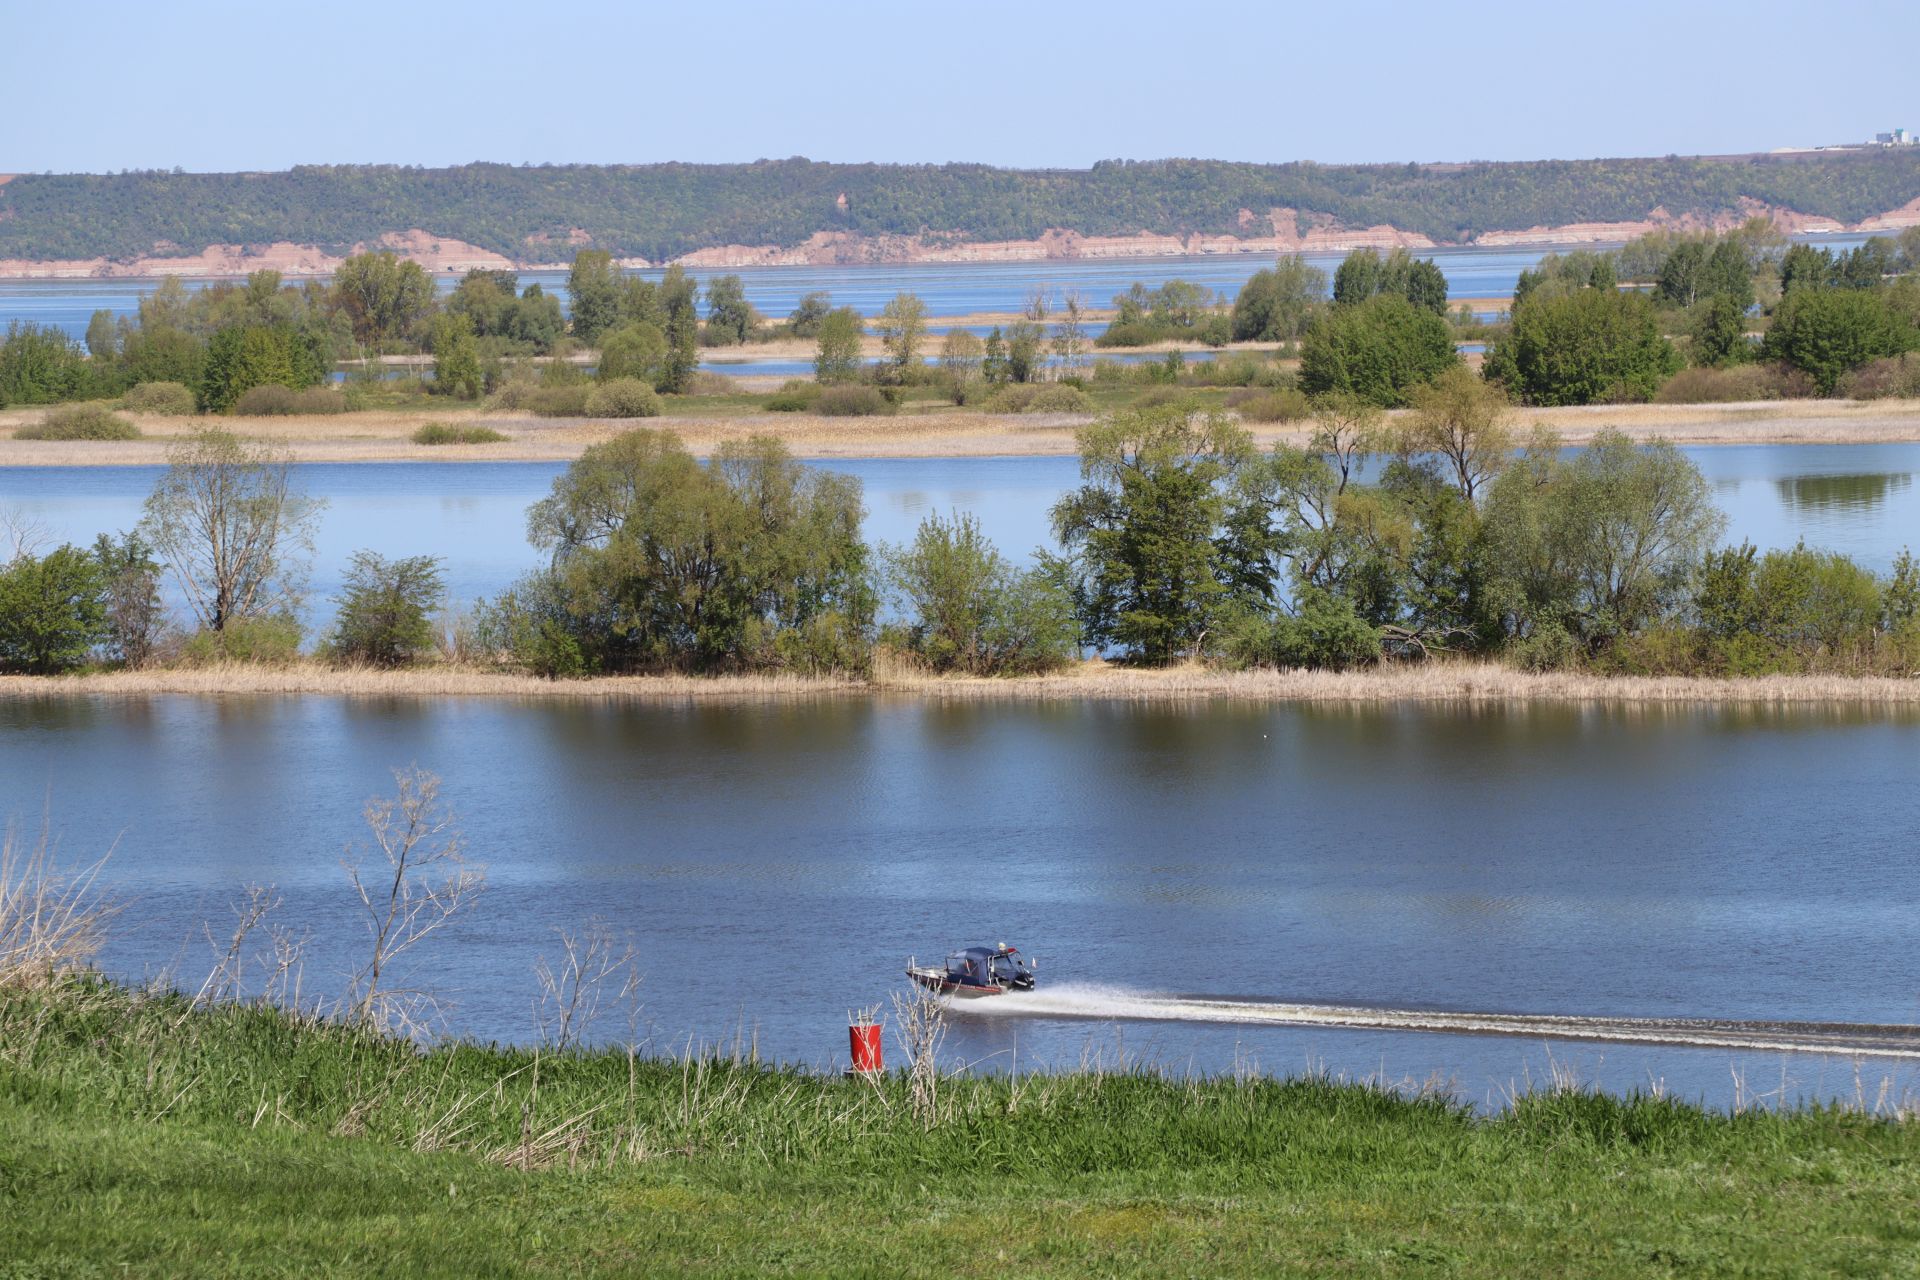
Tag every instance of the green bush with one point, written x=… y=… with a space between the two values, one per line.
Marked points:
x=273 y=639
x=1827 y=332
x=623 y=398
x=88 y=421
x=1592 y=346
x=798 y=395
x=384 y=618
x=1038 y=397
x=167 y=398
x=852 y=402
x=1378 y=350
x=272 y=401
x=52 y=610
x=1742 y=382
x=1322 y=633
x=567 y=401
x=441 y=433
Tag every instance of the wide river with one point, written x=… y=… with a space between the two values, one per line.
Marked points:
x=1480 y=896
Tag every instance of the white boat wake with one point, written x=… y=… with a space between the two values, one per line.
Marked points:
x=1121 y=1004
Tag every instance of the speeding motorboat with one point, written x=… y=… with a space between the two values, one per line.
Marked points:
x=977 y=971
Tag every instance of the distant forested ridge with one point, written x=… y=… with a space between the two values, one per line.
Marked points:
x=667 y=210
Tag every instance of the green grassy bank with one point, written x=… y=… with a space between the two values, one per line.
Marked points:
x=141 y=1136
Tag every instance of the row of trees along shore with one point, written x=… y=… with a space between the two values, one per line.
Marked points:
x=1380 y=540
x=1676 y=316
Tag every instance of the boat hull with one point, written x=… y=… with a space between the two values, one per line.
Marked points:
x=937 y=981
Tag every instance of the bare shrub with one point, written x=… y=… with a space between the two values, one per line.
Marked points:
x=419 y=883
x=920 y=1023
x=52 y=922
x=851 y=402
x=226 y=980
x=1890 y=376
x=1284 y=405
x=273 y=401
x=591 y=963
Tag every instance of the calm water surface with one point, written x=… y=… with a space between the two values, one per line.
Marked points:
x=777 y=863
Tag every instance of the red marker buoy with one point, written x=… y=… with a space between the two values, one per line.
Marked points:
x=863 y=1042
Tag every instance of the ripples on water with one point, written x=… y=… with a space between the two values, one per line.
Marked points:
x=1328 y=885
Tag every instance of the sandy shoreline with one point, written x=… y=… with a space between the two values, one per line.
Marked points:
x=1451 y=683
x=383 y=435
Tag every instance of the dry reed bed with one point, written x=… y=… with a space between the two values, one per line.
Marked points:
x=384 y=435
x=1459 y=683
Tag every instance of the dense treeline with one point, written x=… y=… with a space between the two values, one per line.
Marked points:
x=1379 y=539
x=661 y=211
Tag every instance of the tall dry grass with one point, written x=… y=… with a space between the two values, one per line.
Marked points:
x=53 y=922
x=1435 y=682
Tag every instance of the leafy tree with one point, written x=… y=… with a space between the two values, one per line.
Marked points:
x=385 y=617
x=1148 y=528
x=160 y=352
x=839 y=355
x=1363 y=274
x=902 y=327
x=1720 y=331
x=1379 y=349
x=1461 y=421
x=1583 y=348
x=993 y=359
x=961 y=353
x=232 y=526
x=1277 y=304
x=1806 y=267
x=1026 y=355
x=52 y=613
x=240 y=359
x=1683 y=274
x=804 y=322
x=634 y=350
x=130 y=597
x=1600 y=543
x=677 y=298
x=456 y=358
x=970 y=610
x=752 y=561
x=40 y=365
x=594 y=293
x=486 y=298
x=103 y=336
x=1787 y=611
x=386 y=297
x=731 y=319
x=1727 y=273
x=1826 y=332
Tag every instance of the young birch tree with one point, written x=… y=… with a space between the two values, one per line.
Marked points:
x=230 y=525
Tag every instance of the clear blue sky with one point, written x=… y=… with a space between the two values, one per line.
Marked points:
x=214 y=86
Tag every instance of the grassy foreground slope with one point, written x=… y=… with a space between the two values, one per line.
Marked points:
x=142 y=1135
x=660 y=211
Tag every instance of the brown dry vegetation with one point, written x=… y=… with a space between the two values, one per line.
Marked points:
x=1438 y=682
x=384 y=435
